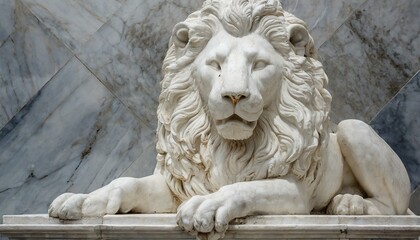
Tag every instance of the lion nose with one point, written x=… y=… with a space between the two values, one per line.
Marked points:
x=235 y=98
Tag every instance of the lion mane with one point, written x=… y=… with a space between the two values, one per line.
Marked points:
x=288 y=139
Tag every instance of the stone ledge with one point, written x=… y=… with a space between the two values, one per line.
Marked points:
x=163 y=226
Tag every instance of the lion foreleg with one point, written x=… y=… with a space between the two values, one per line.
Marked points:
x=377 y=169
x=146 y=195
x=213 y=212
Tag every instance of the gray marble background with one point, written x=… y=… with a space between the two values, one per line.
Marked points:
x=79 y=82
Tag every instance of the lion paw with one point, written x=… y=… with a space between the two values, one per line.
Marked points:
x=349 y=204
x=76 y=206
x=208 y=214
x=67 y=206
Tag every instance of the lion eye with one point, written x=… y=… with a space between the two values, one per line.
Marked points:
x=260 y=64
x=215 y=64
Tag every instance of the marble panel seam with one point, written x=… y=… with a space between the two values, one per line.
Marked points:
x=390 y=100
x=344 y=22
x=143 y=122
x=72 y=42
x=41 y=22
x=3 y=130
x=5 y=40
x=10 y=37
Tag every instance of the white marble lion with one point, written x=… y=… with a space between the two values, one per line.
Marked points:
x=243 y=129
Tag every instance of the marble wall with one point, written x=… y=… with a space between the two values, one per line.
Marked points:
x=79 y=82
x=399 y=125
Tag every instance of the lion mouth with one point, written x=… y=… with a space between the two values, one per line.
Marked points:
x=236 y=119
x=235 y=128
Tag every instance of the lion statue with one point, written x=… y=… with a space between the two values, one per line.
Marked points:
x=244 y=129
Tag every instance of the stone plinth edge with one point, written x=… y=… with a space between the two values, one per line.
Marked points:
x=163 y=226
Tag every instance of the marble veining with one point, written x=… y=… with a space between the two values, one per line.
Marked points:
x=370 y=57
x=399 y=124
x=73 y=21
x=323 y=17
x=6 y=19
x=73 y=136
x=29 y=58
x=127 y=52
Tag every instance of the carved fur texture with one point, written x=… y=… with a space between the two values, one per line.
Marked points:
x=290 y=133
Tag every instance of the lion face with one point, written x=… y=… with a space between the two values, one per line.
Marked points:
x=238 y=77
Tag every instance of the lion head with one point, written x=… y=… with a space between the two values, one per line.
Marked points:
x=243 y=98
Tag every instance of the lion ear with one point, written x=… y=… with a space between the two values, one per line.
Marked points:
x=180 y=35
x=299 y=38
